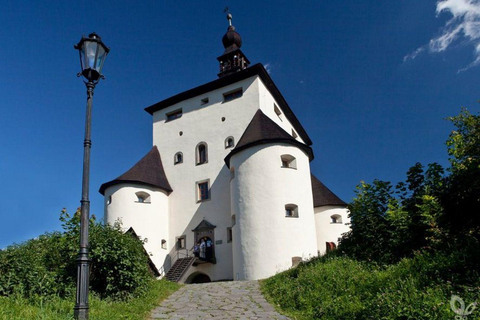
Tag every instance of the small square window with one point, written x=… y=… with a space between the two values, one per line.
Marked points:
x=288 y=161
x=142 y=197
x=277 y=111
x=181 y=242
x=174 y=115
x=229 y=96
x=204 y=101
x=291 y=211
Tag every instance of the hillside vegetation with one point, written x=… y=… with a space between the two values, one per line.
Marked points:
x=38 y=277
x=413 y=251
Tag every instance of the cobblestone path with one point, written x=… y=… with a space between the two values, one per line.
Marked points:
x=217 y=300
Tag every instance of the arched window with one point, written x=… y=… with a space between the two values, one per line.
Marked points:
x=291 y=210
x=142 y=197
x=109 y=200
x=288 y=161
x=178 y=158
x=201 y=153
x=229 y=143
x=336 y=218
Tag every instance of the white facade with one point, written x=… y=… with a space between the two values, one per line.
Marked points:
x=262 y=210
x=263 y=235
x=331 y=222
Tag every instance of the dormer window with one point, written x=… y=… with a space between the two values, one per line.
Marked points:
x=231 y=95
x=142 y=197
x=288 y=161
x=229 y=143
x=178 y=158
x=174 y=115
x=201 y=153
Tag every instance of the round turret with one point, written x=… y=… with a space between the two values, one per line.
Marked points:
x=273 y=210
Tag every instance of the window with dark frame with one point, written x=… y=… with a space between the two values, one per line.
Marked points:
x=203 y=192
x=202 y=153
x=174 y=115
x=229 y=96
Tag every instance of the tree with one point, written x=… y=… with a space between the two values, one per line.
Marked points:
x=461 y=200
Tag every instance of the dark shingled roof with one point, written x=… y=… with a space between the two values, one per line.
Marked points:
x=148 y=171
x=262 y=130
x=251 y=71
x=322 y=196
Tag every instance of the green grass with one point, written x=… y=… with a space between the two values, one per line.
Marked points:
x=342 y=288
x=55 y=308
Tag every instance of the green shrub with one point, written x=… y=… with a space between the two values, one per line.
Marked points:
x=47 y=265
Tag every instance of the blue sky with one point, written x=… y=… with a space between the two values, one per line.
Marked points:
x=371 y=81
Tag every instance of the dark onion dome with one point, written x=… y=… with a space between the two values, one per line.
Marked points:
x=148 y=171
x=263 y=130
x=232 y=39
x=322 y=196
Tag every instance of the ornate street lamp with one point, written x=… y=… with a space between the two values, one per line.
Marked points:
x=92 y=56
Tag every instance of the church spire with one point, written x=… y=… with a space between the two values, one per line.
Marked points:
x=232 y=59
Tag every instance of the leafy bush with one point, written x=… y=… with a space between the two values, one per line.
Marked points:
x=47 y=265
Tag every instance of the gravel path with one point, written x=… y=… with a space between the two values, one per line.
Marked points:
x=217 y=300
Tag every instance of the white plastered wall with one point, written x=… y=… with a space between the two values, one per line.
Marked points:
x=267 y=103
x=328 y=231
x=265 y=240
x=203 y=123
x=149 y=220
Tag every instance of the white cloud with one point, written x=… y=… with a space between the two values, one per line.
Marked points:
x=464 y=25
x=268 y=67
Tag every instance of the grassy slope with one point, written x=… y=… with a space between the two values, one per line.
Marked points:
x=341 y=288
x=54 y=308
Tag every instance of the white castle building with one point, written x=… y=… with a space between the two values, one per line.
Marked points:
x=230 y=164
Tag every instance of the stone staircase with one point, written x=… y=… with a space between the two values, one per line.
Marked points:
x=179 y=268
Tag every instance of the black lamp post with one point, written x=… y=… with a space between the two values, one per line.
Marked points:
x=92 y=55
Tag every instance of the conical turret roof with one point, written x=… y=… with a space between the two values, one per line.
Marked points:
x=322 y=196
x=148 y=171
x=263 y=130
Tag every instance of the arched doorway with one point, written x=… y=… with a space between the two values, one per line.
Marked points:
x=198 y=277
